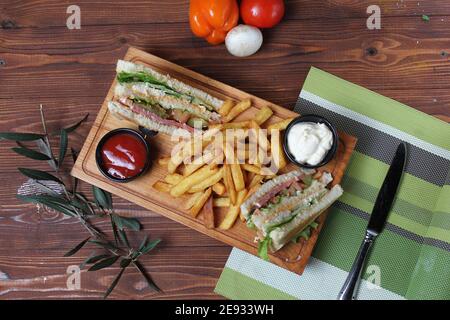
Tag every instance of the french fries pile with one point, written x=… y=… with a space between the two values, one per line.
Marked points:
x=209 y=181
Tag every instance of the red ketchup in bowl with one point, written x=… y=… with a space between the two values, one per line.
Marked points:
x=124 y=155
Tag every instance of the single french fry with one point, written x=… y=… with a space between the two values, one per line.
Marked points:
x=190 y=168
x=163 y=161
x=162 y=186
x=196 y=164
x=233 y=211
x=229 y=184
x=208 y=213
x=256 y=180
x=184 y=185
x=226 y=107
x=221 y=202
x=238 y=177
x=207 y=182
x=257 y=156
x=237 y=110
x=218 y=188
x=263 y=115
x=251 y=168
x=175 y=161
x=262 y=159
x=277 y=150
x=192 y=200
x=263 y=141
x=235 y=125
x=230 y=155
x=200 y=203
x=173 y=178
x=279 y=125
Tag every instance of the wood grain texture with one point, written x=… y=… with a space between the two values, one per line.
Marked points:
x=71 y=62
x=19 y=14
x=70 y=71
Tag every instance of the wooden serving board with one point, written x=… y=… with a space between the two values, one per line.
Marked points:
x=293 y=257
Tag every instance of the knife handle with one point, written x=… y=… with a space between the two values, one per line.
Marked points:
x=351 y=283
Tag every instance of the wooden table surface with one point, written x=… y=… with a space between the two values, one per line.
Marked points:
x=70 y=71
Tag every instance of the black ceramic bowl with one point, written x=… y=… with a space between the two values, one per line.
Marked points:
x=99 y=159
x=314 y=119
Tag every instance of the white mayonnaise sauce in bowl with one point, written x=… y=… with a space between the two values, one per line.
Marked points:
x=310 y=141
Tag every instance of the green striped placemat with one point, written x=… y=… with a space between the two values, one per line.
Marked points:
x=411 y=258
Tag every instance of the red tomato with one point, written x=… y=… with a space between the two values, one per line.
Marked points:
x=262 y=13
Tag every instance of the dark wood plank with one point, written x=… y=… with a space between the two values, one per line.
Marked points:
x=43 y=274
x=19 y=14
x=70 y=71
x=402 y=57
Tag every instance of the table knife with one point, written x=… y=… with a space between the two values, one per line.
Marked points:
x=377 y=221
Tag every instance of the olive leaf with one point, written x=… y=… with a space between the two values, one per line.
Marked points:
x=74 y=155
x=17 y=136
x=114 y=283
x=114 y=229
x=107 y=262
x=143 y=243
x=63 y=141
x=29 y=153
x=102 y=198
x=76 y=125
x=118 y=231
x=77 y=248
x=150 y=246
x=45 y=149
x=146 y=276
x=123 y=237
x=93 y=259
x=53 y=202
x=44 y=189
x=145 y=247
x=75 y=180
x=130 y=223
x=104 y=244
x=85 y=201
x=72 y=128
x=39 y=175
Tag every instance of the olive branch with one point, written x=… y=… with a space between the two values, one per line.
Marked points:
x=69 y=201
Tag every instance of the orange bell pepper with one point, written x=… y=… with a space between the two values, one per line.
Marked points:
x=212 y=19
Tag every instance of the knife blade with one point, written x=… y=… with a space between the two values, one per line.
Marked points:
x=387 y=193
x=380 y=212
